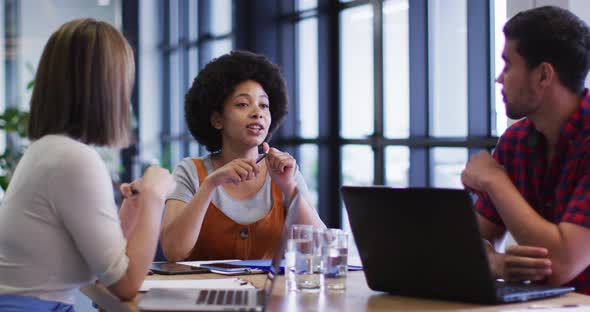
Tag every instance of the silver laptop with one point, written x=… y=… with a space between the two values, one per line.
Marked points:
x=191 y=299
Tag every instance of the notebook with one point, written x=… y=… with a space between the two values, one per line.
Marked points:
x=192 y=299
x=426 y=243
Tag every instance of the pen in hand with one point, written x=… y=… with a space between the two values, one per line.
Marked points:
x=134 y=191
x=261 y=157
x=128 y=190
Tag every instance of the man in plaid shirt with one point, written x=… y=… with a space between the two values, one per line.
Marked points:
x=537 y=183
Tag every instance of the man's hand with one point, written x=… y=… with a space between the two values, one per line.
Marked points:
x=521 y=263
x=479 y=170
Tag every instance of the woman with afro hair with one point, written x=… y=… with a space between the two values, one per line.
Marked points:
x=226 y=205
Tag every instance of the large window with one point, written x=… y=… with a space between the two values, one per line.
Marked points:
x=393 y=92
x=307 y=81
x=500 y=14
x=192 y=33
x=447 y=49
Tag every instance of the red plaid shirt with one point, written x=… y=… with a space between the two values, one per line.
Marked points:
x=559 y=191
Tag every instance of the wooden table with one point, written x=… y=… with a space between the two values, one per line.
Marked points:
x=357 y=297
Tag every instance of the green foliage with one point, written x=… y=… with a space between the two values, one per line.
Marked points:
x=15 y=123
x=14 y=120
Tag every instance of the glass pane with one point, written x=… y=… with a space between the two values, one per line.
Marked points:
x=357 y=169
x=303 y=5
x=173 y=18
x=193 y=13
x=221 y=17
x=193 y=64
x=397 y=166
x=2 y=78
x=308 y=76
x=176 y=111
x=220 y=47
x=498 y=106
x=176 y=119
x=308 y=164
x=193 y=51
x=150 y=85
x=396 y=70
x=36 y=22
x=448 y=67
x=193 y=148
x=357 y=165
x=356 y=32
x=448 y=162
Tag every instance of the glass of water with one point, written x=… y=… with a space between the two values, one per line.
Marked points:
x=334 y=253
x=301 y=259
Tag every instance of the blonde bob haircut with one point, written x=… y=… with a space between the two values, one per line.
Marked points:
x=83 y=85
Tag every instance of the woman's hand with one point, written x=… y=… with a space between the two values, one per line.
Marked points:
x=156 y=183
x=281 y=167
x=236 y=171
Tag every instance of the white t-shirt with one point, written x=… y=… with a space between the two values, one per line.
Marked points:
x=245 y=211
x=59 y=226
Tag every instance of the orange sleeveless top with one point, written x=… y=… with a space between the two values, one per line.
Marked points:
x=223 y=238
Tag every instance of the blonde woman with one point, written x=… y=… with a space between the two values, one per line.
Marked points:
x=59 y=226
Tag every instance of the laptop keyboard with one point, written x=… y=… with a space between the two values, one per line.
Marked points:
x=222 y=297
x=510 y=289
x=526 y=291
x=515 y=287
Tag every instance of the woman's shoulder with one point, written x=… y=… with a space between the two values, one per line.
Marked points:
x=188 y=169
x=69 y=163
x=190 y=162
x=64 y=149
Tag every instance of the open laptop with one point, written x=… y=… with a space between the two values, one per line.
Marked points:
x=190 y=299
x=426 y=243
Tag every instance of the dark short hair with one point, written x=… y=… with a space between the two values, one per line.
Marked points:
x=83 y=85
x=218 y=79
x=556 y=36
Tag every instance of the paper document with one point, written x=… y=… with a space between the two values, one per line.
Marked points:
x=216 y=283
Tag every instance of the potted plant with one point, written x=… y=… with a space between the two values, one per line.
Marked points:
x=15 y=123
